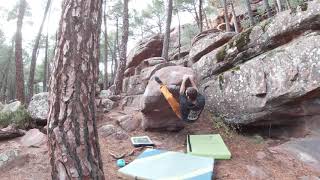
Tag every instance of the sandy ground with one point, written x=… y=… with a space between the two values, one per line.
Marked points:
x=252 y=157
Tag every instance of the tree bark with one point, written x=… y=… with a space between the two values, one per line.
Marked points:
x=105 y=81
x=268 y=9
x=45 y=66
x=116 y=47
x=279 y=5
x=166 y=41
x=196 y=14
x=123 y=49
x=179 y=35
x=200 y=16
x=226 y=19
x=235 y=22
x=250 y=12
x=6 y=74
x=288 y=4
x=18 y=54
x=34 y=54
x=72 y=130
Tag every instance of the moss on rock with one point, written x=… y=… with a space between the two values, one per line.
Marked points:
x=21 y=118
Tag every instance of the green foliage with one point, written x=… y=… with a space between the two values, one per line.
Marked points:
x=221 y=54
x=224 y=129
x=221 y=81
x=257 y=139
x=21 y=118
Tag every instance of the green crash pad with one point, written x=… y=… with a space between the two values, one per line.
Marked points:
x=210 y=145
x=167 y=165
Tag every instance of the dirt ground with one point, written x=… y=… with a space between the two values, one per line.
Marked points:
x=252 y=156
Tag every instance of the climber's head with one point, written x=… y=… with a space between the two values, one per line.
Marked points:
x=192 y=93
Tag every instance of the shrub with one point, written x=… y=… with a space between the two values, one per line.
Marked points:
x=21 y=118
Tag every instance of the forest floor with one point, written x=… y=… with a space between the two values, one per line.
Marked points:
x=252 y=156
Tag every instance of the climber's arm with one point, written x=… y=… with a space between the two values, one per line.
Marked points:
x=193 y=83
x=183 y=84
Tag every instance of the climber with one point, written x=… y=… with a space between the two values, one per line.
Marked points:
x=191 y=102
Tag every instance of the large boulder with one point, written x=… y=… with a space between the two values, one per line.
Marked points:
x=12 y=107
x=39 y=107
x=146 y=48
x=208 y=43
x=157 y=113
x=264 y=37
x=279 y=86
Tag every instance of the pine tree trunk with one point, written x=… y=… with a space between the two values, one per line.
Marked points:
x=34 y=54
x=279 y=5
x=226 y=19
x=72 y=130
x=206 y=18
x=200 y=16
x=116 y=47
x=288 y=5
x=106 y=81
x=250 y=12
x=18 y=53
x=235 y=22
x=166 y=41
x=45 y=66
x=123 y=49
x=6 y=74
x=179 y=35
x=268 y=9
x=196 y=14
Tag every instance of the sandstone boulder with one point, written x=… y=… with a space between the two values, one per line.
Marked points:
x=157 y=113
x=12 y=107
x=279 y=86
x=33 y=138
x=39 y=107
x=146 y=48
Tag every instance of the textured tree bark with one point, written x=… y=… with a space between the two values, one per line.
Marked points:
x=45 y=70
x=235 y=22
x=18 y=54
x=34 y=53
x=250 y=12
x=279 y=5
x=6 y=74
x=106 y=81
x=123 y=49
x=200 y=16
x=72 y=130
x=226 y=19
x=268 y=9
x=166 y=41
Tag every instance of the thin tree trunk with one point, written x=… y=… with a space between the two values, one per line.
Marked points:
x=276 y=5
x=235 y=22
x=268 y=9
x=279 y=5
x=105 y=82
x=123 y=49
x=18 y=54
x=6 y=74
x=200 y=16
x=179 y=35
x=34 y=53
x=116 y=47
x=226 y=18
x=166 y=41
x=196 y=13
x=72 y=130
x=288 y=4
x=44 y=88
x=250 y=12
x=206 y=18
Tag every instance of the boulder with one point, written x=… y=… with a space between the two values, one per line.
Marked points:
x=146 y=48
x=107 y=93
x=108 y=104
x=39 y=107
x=279 y=86
x=208 y=43
x=33 y=138
x=266 y=36
x=157 y=114
x=154 y=61
x=132 y=101
x=107 y=130
x=12 y=107
x=8 y=156
x=148 y=72
x=129 y=122
x=134 y=85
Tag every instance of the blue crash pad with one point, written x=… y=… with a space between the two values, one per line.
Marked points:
x=167 y=165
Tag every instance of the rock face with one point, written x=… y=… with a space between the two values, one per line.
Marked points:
x=12 y=107
x=147 y=48
x=8 y=156
x=156 y=111
x=39 y=107
x=33 y=138
x=259 y=77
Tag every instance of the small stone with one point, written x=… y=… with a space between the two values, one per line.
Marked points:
x=107 y=130
x=261 y=155
x=33 y=138
x=257 y=172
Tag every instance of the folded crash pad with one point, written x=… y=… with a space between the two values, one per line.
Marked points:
x=167 y=165
x=210 y=145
